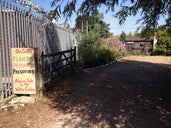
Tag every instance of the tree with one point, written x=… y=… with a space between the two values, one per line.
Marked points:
x=104 y=29
x=137 y=34
x=164 y=42
x=123 y=36
x=93 y=23
x=130 y=34
x=151 y=10
x=147 y=32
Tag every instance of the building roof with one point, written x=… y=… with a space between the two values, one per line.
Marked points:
x=138 y=39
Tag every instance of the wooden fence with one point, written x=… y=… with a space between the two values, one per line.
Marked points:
x=56 y=65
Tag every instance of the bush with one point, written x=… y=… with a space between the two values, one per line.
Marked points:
x=98 y=57
x=104 y=56
x=162 y=51
x=87 y=48
x=93 y=52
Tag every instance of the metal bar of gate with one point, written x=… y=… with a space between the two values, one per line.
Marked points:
x=1 y=33
x=12 y=44
x=13 y=27
x=24 y=25
x=8 y=51
x=36 y=33
x=33 y=32
x=4 y=49
x=17 y=31
x=19 y=27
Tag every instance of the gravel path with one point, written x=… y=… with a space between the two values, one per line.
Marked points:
x=133 y=92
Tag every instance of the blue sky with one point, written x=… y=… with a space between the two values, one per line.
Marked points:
x=129 y=26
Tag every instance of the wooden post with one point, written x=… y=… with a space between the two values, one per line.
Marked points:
x=82 y=27
x=41 y=89
x=75 y=55
x=40 y=74
x=71 y=63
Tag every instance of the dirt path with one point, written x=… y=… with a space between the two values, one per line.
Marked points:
x=134 y=92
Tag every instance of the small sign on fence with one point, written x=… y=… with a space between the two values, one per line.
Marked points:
x=24 y=72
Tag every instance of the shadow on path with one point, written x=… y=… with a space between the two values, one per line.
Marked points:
x=127 y=94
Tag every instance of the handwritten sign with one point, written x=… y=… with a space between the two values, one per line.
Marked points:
x=23 y=68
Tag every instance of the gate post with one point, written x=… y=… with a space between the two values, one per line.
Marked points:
x=40 y=74
x=75 y=55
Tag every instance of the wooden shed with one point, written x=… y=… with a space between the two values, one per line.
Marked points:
x=139 y=45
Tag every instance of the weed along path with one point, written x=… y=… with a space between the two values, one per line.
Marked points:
x=133 y=92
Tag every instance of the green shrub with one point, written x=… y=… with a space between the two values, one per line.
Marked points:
x=104 y=56
x=162 y=51
x=93 y=52
x=87 y=49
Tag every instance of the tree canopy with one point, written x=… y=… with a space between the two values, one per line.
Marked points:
x=164 y=42
x=150 y=10
x=122 y=36
x=93 y=22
